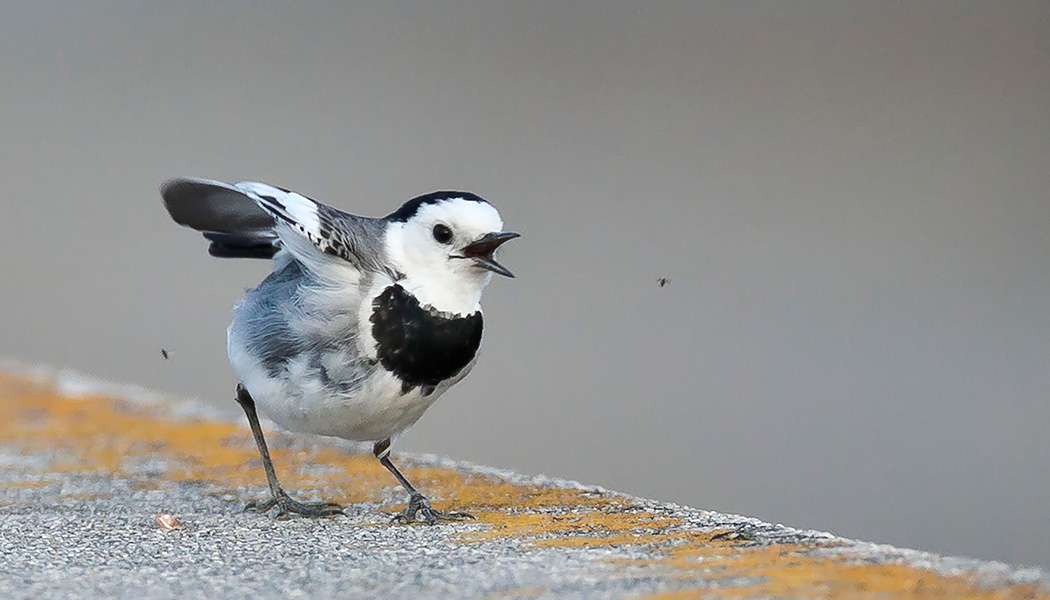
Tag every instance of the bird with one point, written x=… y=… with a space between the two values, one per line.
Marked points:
x=363 y=323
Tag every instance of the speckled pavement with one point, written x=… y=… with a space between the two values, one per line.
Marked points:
x=111 y=491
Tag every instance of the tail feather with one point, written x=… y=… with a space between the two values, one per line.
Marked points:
x=226 y=245
x=231 y=219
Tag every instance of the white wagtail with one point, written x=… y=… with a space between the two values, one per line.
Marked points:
x=363 y=323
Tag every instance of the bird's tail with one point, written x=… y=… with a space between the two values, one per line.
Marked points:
x=229 y=218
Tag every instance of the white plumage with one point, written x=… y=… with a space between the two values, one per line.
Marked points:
x=363 y=323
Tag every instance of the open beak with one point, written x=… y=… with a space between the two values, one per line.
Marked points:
x=481 y=251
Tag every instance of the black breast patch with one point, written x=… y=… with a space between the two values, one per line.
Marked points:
x=421 y=345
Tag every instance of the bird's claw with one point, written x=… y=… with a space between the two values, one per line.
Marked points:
x=429 y=515
x=285 y=504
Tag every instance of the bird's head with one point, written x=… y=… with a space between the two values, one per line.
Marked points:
x=445 y=243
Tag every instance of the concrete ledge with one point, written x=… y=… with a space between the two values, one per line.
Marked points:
x=114 y=491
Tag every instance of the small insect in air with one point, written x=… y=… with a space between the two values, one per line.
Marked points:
x=663 y=281
x=164 y=353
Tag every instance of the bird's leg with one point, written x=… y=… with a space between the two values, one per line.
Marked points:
x=417 y=503
x=278 y=497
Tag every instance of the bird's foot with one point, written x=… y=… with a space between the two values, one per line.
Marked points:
x=418 y=505
x=285 y=505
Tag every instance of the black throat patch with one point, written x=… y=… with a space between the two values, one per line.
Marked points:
x=421 y=345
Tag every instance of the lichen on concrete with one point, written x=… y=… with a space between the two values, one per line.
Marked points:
x=88 y=469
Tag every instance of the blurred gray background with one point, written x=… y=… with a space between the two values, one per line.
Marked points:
x=851 y=200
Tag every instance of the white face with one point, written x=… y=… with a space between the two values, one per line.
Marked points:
x=425 y=249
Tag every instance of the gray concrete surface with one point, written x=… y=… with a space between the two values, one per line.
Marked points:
x=75 y=522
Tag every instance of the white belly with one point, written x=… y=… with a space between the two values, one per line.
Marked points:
x=374 y=411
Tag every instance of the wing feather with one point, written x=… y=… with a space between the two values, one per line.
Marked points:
x=255 y=220
x=354 y=239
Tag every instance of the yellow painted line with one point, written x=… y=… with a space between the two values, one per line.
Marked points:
x=103 y=435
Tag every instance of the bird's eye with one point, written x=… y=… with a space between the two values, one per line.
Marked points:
x=442 y=233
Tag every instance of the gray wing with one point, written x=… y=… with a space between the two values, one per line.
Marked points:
x=332 y=232
x=242 y=220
